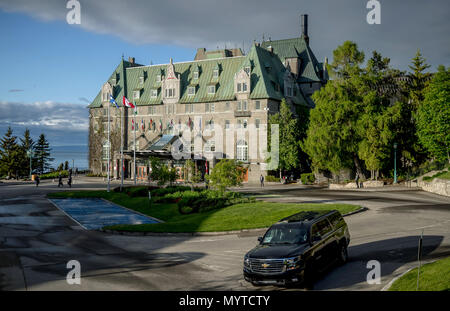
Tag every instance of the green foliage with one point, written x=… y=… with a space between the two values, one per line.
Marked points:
x=226 y=173
x=441 y=175
x=419 y=79
x=289 y=137
x=42 y=155
x=162 y=173
x=307 y=178
x=54 y=175
x=10 y=155
x=433 y=116
x=270 y=178
x=346 y=60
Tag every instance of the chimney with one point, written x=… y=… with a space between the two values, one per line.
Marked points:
x=304 y=21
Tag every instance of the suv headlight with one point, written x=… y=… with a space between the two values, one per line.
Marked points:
x=293 y=262
x=247 y=262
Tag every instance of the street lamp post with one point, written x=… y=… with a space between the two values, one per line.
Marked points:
x=395 y=163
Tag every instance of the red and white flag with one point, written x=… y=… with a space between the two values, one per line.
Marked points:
x=127 y=103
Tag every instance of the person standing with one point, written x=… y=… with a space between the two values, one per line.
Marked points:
x=357 y=179
x=60 y=183
x=261 y=179
x=69 y=181
x=37 y=180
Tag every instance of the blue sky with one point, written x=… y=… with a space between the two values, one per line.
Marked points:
x=52 y=60
x=51 y=70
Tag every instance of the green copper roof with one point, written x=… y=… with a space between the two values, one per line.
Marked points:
x=266 y=74
x=297 y=47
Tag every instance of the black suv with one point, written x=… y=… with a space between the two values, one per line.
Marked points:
x=296 y=247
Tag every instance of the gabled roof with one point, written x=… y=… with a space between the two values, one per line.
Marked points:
x=267 y=73
x=293 y=48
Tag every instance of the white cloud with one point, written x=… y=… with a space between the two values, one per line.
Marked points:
x=51 y=115
x=206 y=23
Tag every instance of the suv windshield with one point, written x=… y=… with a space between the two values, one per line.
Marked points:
x=285 y=235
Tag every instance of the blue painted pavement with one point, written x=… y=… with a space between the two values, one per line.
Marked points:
x=97 y=213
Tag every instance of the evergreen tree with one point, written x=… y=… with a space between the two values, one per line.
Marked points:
x=43 y=158
x=66 y=165
x=10 y=155
x=289 y=146
x=27 y=146
x=419 y=79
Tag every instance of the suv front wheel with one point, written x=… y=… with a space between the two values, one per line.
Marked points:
x=343 y=254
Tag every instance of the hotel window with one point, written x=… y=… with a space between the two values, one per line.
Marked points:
x=257 y=123
x=212 y=107
x=239 y=87
x=210 y=125
x=244 y=87
x=136 y=94
x=216 y=73
x=195 y=76
x=227 y=124
x=242 y=151
x=154 y=93
x=158 y=78
x=210 y=146
x=244 y=105
x=227 y=106
x=191 y=90
x=170 y=93
x=189 y=108
x=257 y=105
x=211 y=89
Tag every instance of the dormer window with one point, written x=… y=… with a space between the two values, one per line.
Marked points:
x=211 y=89
x=242 y=87
x=191 y=90
x=136 y=94
x=216 y=73
x=170 y=93
x=154 y=93
x=141 y=80
x=195 y=75
x=158 y=78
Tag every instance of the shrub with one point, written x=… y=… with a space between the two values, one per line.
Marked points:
x=54 y=175
x=270 y=178
x=307 y=178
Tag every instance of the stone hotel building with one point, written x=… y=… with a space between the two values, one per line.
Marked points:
x=223 y=96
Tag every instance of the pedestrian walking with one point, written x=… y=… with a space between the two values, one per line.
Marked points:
x=357 y=179
x=261 y=179
x=37 y=180
x=69 y=181
x=60 y=183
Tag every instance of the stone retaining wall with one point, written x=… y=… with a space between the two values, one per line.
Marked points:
x=437 y=185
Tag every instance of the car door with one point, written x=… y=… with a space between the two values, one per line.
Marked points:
x=317 y=245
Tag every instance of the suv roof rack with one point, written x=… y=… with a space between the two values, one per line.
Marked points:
x=305 y=216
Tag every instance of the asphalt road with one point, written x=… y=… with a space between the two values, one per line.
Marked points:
x=37 y=240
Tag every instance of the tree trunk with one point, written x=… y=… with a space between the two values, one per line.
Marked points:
x=358 y=166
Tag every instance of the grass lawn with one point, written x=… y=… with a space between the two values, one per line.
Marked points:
x=235 y=217
x=434 y=276
x=441 y=175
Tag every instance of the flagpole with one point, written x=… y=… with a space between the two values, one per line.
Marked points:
x=109 y=146
x=121 y=149
x=134 y=151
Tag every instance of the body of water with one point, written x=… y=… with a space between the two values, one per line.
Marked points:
x=78 y=155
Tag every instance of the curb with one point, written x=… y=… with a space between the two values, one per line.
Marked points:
x=216 y=233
